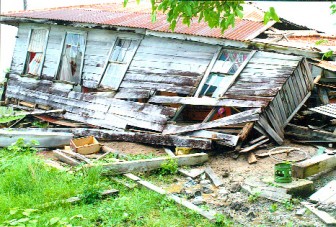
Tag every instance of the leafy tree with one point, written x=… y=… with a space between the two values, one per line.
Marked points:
x=333 y=8
x=217 y=14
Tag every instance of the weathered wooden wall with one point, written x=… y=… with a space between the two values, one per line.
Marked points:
x=276 y=82
x=160 y=64
x=164 y=64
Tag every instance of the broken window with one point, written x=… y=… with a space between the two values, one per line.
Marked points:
x=119 y=59
x=72 y=58
x=222 y=72
x=35 y=53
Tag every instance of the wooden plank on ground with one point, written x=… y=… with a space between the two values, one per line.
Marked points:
x=251 y=158
x=324 y=216
x=66 y=159
x=151 y=164
x=313 y=165
x=211 y=215
x=193 y=173
x=76 y=155
x=246 y=116
x=213 y=177
x=325 y=195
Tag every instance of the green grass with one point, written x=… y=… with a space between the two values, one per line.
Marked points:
x=26 y=183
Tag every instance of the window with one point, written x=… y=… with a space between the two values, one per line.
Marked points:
x=35 y=55
x=222 y=72
x=118 y=61
x=72 y=58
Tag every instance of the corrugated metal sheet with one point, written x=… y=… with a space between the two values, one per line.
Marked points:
x=139 y=16
x=328 y=110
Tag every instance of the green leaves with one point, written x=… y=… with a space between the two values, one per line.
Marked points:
x=327 y=54
x=217 y=14
x=321 y=42
x=333 y=8
x=271 y=14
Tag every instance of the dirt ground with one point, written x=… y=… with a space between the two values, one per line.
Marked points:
x=230 y=199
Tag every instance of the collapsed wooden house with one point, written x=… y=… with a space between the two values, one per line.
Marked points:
x=110 y=67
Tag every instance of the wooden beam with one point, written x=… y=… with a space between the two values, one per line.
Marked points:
x=220 y=138
x=151 y=164
x=243 y=134
x=207 y=101
x=254 y=146
x=313 y=165
x=246 y=116
x=148 y=138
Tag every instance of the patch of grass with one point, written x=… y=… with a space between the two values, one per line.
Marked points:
x=26 y=184
x=169 y=167
x=273 y=207
x=289 y=205
x=253 y=197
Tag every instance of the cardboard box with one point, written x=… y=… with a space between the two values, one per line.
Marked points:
x=85 y=145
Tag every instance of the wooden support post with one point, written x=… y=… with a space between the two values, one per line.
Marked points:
x=313 y=166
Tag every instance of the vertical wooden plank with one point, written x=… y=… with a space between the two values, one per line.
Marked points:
x=309 y=73
x=276 y=114
x=82 y=60
x=279 y=106
x=25 y=59
x=288 y=93
x=273 y=122
x=294 y=91
x=270 y=131
x=303 y=80
x=286 y=103
x=298 y=84
x=44 y=53
x=59 y=57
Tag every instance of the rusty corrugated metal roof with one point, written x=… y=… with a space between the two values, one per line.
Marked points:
x=139 y=16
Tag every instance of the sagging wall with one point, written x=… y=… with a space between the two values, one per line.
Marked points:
x=159 y=64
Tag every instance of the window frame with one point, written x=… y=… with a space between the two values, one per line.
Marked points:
x=214 y=70
x=79 y=32
x=127 y=63
x=45 y=45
